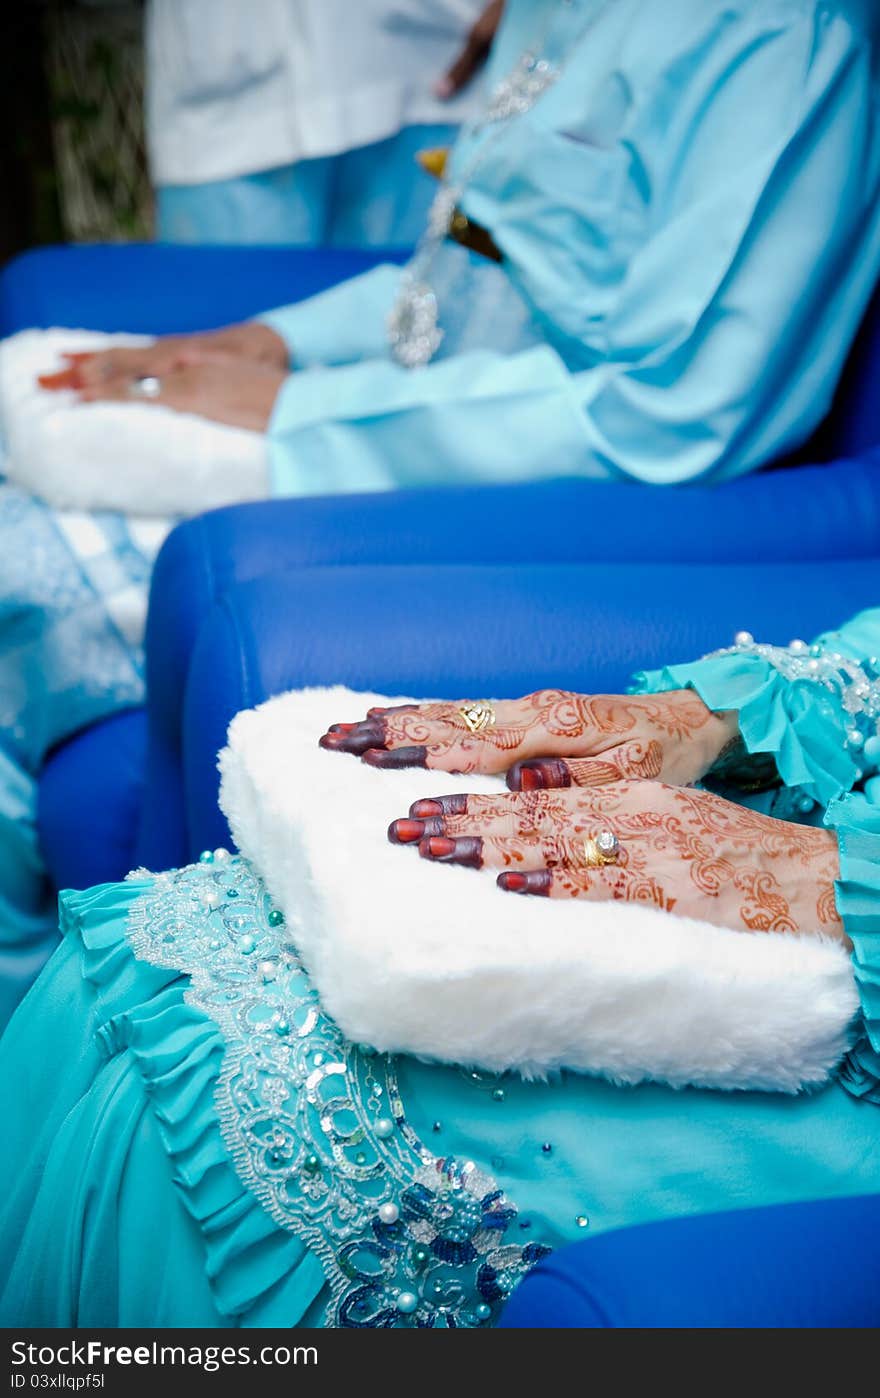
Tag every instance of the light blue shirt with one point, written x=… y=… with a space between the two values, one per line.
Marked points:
x=690 y=224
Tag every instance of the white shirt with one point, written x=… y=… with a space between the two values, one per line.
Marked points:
x=236 y=86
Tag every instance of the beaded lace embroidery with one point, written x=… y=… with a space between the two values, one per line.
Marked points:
x=316 y=1126
x=849 y=684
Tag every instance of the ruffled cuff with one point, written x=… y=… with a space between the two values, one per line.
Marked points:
x=259 y=1274
x=855 y=819
x=796 y=721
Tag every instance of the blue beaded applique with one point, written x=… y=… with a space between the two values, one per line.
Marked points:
x=316 y=1127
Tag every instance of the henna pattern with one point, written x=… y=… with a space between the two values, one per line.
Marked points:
x=683 y=850
x=594 y=739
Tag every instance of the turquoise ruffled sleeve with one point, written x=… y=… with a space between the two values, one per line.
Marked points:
x=815 y=710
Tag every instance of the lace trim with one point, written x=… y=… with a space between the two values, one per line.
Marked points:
x=316 y=1126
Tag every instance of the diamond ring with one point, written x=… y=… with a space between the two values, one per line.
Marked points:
x=601 y=849
x=148 y=386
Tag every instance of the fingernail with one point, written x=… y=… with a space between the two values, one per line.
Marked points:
x=394 y=757
x=440 y=805
x=467 y=851
x=442 y=88
x=538 y=774
x=357 y=741
x=406 y=832
x=341 y=727
x=536 y=881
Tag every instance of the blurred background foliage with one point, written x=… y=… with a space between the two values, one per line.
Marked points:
x=72 y=159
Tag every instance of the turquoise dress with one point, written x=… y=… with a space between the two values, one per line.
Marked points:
x=690 y=224
x=189 y=1139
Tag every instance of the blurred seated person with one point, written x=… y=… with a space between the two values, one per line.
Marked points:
x=648 y=259
x=304 y=127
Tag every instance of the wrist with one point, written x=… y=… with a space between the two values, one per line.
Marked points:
x=254 y=341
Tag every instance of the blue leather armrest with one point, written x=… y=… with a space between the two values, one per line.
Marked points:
x=161 y=289
x=789 y=1265
x=475 y=630
x=814 y=512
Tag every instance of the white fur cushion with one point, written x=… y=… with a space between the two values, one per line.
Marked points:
x=137 y=458
x=436 y=961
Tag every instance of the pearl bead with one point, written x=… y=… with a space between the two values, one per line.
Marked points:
x=222 y=856
x=582 y=1221
x=247 y=944
x=743 y=638
x=407 y=1302
x=389 y=1213
x=206 y=857
x=498 y=1094
x=813 y=666
x=211 y=898
x=805 y=804
x=798 y=647
x=275 y=918
x=282 y=1027
x=420 y=1255
x=546 y=1148
x=854 y=739
x=311 y=1164
x=438 y=1126
x=384 y=1128
x=872 y=749
x=268 y=970
x=484 y=1312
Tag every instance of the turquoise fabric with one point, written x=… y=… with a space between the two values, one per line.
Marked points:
x=656 y=350
x=374 y=196
x=125 y=1178
x=71 y=588
x=803 y=724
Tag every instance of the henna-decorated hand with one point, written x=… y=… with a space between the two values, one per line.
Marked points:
x=550 y=739
x=235 y=391
x=111 y=371
x=683 y=850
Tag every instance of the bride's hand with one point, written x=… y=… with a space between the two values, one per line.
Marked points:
x=682 y=850
x=233 y=391
x=115 y=369
x=550 y=739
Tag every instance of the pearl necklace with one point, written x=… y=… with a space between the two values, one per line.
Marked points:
x=414 y=332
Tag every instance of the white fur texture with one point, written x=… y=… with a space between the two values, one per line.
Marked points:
x=138 y=458
x=436 y=961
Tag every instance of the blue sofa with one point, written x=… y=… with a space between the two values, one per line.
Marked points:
x=821 y=509
x=470 y=592
x=808 y=1266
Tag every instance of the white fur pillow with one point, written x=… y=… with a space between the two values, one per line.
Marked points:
x=138 y=458
x=436 y=961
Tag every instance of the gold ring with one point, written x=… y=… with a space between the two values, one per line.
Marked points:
x=601 y=849
x=477 y=716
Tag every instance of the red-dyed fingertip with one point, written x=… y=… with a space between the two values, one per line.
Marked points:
x=406 y=832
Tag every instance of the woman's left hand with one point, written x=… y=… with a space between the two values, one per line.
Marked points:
x=682 y=850
x=231 y=390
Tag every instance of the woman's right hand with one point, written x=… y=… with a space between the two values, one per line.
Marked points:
x=552 y=738
x=115 y=369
